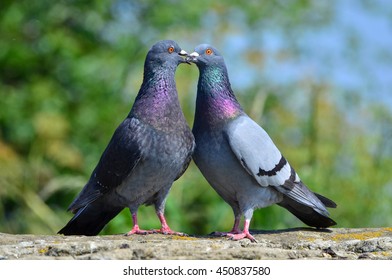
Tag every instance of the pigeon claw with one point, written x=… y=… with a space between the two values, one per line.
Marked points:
x=140 y=232
x=168 y=231
x=242 y=235
x=221 y=234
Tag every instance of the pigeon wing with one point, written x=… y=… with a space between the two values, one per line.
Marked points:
x=257 y=153
x=116 y=163
x=263 y=161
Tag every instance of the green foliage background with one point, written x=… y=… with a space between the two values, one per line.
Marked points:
x=70 y=71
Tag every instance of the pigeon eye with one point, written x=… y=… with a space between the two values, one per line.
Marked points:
x=170 y=49
x=208 y=51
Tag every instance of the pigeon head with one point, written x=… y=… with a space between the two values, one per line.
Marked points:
x=166 y=53
x=211 y=65
x=215 y=99
x=159 y=69
x=204 y=56
x=157 y=100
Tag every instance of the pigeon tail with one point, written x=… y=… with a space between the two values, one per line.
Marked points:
x=326 y=201
x=90 y=219
x=307 y=214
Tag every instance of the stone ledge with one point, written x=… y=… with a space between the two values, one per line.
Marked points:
x=297 y=243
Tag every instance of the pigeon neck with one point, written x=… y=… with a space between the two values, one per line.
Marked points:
x=158 y=83
x=157 y=101
x=215 y=99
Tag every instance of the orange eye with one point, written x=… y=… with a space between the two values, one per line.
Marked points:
x=170 y=49
x=208 y=51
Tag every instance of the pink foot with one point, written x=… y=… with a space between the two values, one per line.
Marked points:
x=168 y=231
x=234 y=230
x=236 y=234
x=165 y=229
x=242 y=235
x=221 y=234
x=137 y=230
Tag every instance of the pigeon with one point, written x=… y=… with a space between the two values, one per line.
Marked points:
x=238 y=158
x=148 y=151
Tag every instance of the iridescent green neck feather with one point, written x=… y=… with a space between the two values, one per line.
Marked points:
x=216 y=101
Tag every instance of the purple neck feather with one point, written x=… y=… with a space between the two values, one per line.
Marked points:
x=216 y=101
x=157 y=101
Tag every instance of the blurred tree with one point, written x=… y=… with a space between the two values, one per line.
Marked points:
x=71 y=69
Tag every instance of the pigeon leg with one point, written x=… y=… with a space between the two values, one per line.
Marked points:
x=244 y=234
x=165 y=229
x=136 y=229
x=235 y=229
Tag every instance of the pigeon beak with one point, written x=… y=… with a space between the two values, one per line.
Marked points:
x=192 y=57
x=183 y=53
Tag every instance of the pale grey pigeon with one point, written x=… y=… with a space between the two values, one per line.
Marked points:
x=239 y=159
x=149 y=150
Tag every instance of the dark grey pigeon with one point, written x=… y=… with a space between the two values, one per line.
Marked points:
x=150 y=149
x=239 y=159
